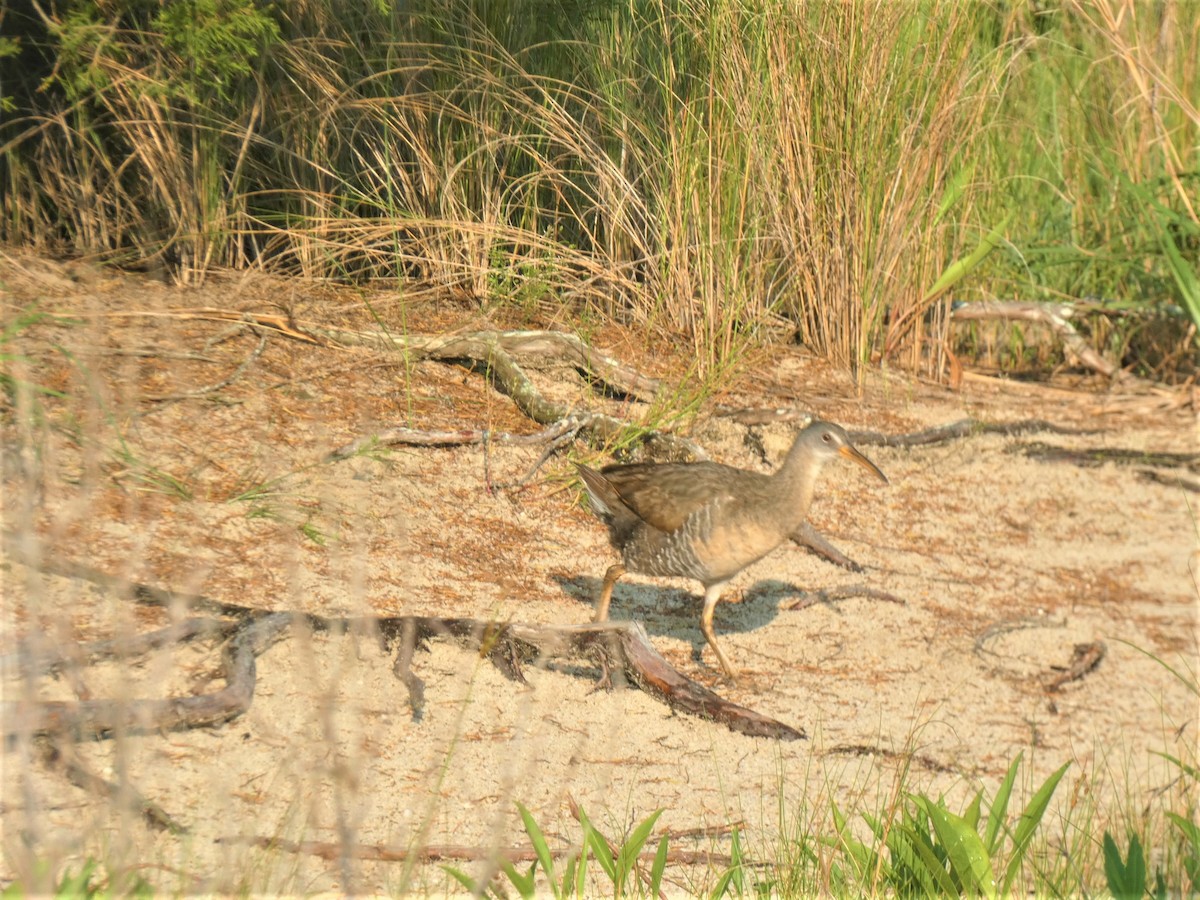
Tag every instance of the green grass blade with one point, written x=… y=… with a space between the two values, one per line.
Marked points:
x=1185 y=276
x=568 y=878
x=600 y=848
x=464 y=879
x=722 y=886
x=857 y=853
x=628 y=854
x=737 y=869
x=540 y=847
x=1028 y=825
x=999 y=808
x=581 y=871
x=526 y=884
x=1188 y=678
x=1191 y=771
x=916 y=858
x=960 y=268
x=659 y=867
x=971 y=813
x=1191 y=858
x=955 y=187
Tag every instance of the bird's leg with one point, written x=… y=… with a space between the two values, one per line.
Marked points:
x=711 y=595
x=610 y=578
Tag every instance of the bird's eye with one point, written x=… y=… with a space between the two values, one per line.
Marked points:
x=827 y=437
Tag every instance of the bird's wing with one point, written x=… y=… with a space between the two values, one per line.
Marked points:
x=664 y=495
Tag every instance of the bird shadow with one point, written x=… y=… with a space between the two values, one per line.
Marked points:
x=675 y=612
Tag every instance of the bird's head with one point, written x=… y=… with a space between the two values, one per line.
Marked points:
x=824 y=441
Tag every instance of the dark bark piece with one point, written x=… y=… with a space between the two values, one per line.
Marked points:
x=1085 y=659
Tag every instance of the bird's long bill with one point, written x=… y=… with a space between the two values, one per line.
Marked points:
x=850 y=453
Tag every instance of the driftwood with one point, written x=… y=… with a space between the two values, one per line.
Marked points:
x=87 y=719
x=493 y=353
x=1053 y=315
x=623 y=647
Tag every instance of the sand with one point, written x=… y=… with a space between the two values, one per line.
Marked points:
x=1004 y=562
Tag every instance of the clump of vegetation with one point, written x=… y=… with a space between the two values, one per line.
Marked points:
x=724 y=173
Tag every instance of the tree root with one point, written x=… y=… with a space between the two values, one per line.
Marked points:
x=57 y=755
x=623 y=646
x=90 y=719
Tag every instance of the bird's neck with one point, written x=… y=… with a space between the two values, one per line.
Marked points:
x=797 y=480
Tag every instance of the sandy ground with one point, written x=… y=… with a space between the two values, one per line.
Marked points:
x=1004 y=562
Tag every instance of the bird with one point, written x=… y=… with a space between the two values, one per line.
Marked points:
x=708 y=521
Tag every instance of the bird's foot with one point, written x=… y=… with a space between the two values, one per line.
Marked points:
x=605 y=683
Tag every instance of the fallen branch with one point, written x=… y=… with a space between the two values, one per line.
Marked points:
x=623 y=646
x=492 y=352
x=88 y=719
x=30 y=661
x=960 y=429
x=812 y=598
x=483 y=346
x=413 y=437
x=438 y=852
x=56 y=756
x=1053 y=315
x=1098 y=456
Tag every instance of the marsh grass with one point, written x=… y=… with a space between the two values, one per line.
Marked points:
x=724 y=172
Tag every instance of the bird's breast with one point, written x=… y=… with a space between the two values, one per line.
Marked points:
x=715 y=542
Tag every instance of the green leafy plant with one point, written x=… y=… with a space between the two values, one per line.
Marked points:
x=618 y=863
x=934 y=851
x=733 y=878
x=1127 y=876
x=86 y=883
